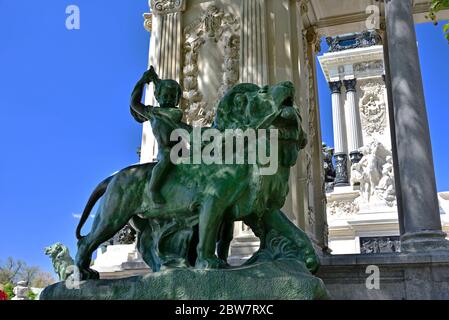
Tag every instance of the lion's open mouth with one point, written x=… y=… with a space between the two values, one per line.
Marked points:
x=287 y=121
x=288 y=102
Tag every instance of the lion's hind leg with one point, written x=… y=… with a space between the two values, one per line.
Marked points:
x=112 y=215
x=146 y=243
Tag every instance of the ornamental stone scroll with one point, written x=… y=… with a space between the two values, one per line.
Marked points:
x=161 y=7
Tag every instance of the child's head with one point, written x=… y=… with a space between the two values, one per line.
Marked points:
x=168 y=93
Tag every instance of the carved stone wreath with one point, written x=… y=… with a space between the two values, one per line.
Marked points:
x=342 y=208
x=373 y=108
x=222 y=28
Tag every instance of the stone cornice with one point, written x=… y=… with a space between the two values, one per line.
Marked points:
x=363 y=62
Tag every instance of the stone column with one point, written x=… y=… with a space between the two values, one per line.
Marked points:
x=254 y=52
x=418 y=196
x=340 y=146
x=253 y=69
x=165 y=56
x=353 y=125
x=387 y=79
x=316 y=218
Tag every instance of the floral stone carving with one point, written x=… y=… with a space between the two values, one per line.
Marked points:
x=222 y=28
x=373 y=108
x=342 y=208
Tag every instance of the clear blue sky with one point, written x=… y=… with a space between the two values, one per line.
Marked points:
x=65 y=122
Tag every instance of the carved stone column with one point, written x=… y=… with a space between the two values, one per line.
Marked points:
x=254 y=65
x=338 y=117
x=353 y=125
x=416 y=193
x=165 y=56
x=253 y=69
x=316 y=226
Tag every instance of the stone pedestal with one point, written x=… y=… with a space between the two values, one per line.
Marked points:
x=119 y=261
x=341 y=170
x=243 y=246
x=401 y=276
x=285 y=280
x=21 y=291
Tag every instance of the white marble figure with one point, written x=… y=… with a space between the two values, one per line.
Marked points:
x=386 y=189
x=374 y=173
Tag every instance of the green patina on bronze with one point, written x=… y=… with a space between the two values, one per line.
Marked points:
x=201 y=202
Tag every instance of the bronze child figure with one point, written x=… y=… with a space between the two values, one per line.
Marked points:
x=163 y=120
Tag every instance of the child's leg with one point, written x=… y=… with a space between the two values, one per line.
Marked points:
x=157 y=176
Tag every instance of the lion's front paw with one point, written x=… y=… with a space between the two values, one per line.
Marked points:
x=210 y=263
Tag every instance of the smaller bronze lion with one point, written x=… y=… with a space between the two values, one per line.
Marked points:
x=61 y=259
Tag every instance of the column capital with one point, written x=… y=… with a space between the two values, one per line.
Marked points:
x=313 y=38
x=148 y=21
x=350 y=84
x=335 y=86
x=161 y=7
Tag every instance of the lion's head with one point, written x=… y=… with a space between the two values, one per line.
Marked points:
x=270 y=107
x=54 y=250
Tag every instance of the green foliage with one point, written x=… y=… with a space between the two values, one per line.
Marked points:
x=31 y=295
x=435 y=7
x=446 y=31
x=8 y=288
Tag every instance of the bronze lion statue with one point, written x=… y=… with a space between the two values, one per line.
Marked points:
x=61 y=260
x=194 y=228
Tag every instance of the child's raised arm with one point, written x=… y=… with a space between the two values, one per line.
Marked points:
x=139 y=111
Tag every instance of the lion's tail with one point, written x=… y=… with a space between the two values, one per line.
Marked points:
x=97 y=194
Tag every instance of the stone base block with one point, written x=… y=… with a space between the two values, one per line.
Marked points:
x=424 y=241
x=401 y=276
x=286 y=280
